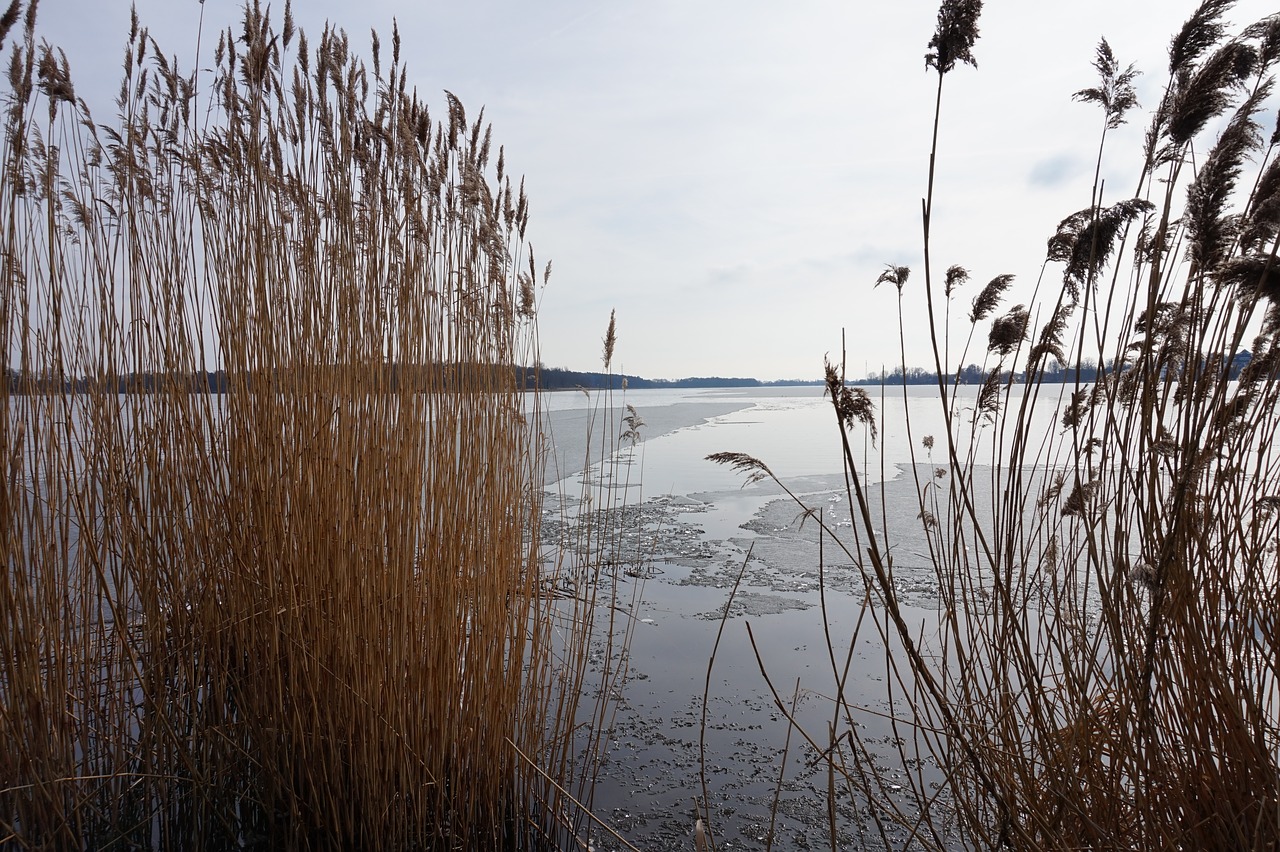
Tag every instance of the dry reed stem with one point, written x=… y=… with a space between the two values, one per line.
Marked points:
x=271 y=523
x=1104 y=670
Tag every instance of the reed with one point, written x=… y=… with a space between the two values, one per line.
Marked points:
x=1103 y=669
x=272 y=571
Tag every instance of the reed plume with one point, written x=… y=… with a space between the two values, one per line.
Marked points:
x=1098 y=666
x=1051 y=338
x=988 y=299
x=1085 y=240
x=955 y=35
x=1202 y=31
x=1008 y=331
x=1211 y=233
x=895 y=275
x=271 y=523
x=957 y=277
x=1262 y=220
x=1206 y=92
x=610 y=339
x=1115 y=91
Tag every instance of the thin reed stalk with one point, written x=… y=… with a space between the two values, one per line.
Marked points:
x=1103 y=670
x=271 y=521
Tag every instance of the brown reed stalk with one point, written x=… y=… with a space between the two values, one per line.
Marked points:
x=1104 y=671
x=270 y=523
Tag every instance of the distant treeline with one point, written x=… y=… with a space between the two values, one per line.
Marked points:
x=557 y=378
x=17 y=382
x=1088 y=371
x=392 y=377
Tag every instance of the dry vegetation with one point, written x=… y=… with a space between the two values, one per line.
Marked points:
x=1104 y=669
x=311 y=611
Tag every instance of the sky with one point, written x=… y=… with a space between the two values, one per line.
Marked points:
x=732 y=176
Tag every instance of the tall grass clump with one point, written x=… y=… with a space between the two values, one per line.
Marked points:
x=270 y=520
x=1101 y=670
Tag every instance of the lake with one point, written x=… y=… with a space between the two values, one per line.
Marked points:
x=688 y=528
x=687 y=533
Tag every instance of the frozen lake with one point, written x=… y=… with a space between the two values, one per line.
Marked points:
x=686 y=534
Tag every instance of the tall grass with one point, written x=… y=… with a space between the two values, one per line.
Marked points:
x=1103 y=669
x=308 y=610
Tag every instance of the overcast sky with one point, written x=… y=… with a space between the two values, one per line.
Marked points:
x=732 y=175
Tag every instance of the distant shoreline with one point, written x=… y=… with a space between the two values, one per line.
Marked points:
x=541 y=378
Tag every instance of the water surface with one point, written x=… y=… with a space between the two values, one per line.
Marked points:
x=697 y=527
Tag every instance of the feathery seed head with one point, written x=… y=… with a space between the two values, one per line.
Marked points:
x=987 y=300
x=1050 y=342
x=957 y=276
x=9 y=18
x=54 y=80
x=457 y=119
x=855 y=406
x=1073 y=414
x=1115 y=92
x=610 y=338
x=852 y=405
x=743 y=463
x=834 y=383
x=1078 y=500
x=633 y=423
x=1201 y=31
x=955 y=35
x=527 y=296
x=1255 y=275
x=1008 y=332
x=1267 y=34
x=288 y=30
x=1053 y=490
x=895 y=275
x=1086 y=239
x=1211 y=231
x=1207 y=92
x=988 y=404
x=1262 y=220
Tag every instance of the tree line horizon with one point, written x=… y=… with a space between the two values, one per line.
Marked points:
x=541 y=377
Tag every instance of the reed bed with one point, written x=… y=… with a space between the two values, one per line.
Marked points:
x=1102 y=670
x=272 y=573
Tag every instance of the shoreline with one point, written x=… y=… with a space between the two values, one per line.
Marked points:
x=566 y=430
